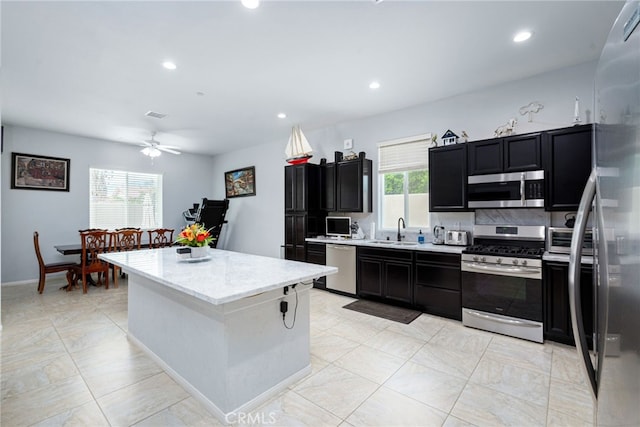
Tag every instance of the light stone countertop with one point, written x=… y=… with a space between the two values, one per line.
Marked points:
x=548 y=256
x=225 y=277
x=411 y=246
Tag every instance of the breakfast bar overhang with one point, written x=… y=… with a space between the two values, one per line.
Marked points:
x=215 y=325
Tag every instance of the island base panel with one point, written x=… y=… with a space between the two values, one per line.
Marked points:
x=235 y=355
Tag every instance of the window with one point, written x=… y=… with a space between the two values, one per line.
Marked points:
x=403 y=167
x=124 y=199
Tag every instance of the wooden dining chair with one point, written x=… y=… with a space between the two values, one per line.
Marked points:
x=124 y=239
x=160 y=237
x=94 y=242
x=54 y=267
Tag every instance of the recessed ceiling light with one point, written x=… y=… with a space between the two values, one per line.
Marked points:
x=251 y=4
x=374 y=85
x=522 y=36
x=282 y=116
x=169 y=65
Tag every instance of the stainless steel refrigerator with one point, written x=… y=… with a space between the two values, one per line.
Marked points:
x=612 y=198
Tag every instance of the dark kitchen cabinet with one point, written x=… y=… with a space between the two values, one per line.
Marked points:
x=303 y=217
x=567 y=154
x=448 y=178
x=437 y=284
x=557 y=314
x=354 y=192
x=514 y=153
x=385 y=274
x=484 y=157
x=328 y=187
x=317 y=254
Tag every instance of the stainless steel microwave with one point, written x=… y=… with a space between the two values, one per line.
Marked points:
x=559 y=241
x=506 y=190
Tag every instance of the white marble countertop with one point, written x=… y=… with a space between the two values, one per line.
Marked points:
x=548 y=256
x=227 y=276
x=412 y=246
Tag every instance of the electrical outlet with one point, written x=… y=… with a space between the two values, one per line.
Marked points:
x=348 y=144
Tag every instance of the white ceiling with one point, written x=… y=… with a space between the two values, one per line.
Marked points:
x=94 y=68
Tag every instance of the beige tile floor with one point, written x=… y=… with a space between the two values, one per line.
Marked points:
x=66 y=361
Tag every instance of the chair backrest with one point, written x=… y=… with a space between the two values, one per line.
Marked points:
x=126 y=239
x=160 y=237
x=94 y=243
x=36 y=246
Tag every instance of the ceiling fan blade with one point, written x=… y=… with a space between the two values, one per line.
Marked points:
x=168 y=150
x=146 y=143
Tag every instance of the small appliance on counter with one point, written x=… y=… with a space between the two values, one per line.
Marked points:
x=456 y=238
x=338 y=227
x=356 y=231
x=438 y=235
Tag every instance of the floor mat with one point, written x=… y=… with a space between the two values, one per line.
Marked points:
x=390 y=312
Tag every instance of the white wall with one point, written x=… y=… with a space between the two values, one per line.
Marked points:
x=257 y=223
x=58 y=216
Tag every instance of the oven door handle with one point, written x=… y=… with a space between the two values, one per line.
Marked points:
x=496 y=268
x=500 y=320
x=522 y=180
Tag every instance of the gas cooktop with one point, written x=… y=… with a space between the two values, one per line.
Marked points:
x=512 y=251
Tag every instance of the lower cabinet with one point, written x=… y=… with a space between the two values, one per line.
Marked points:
x=437 y=284
x=317 y=254
x=385 y=274
x=557 y=314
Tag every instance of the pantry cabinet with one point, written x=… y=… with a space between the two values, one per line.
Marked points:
x=302 y=214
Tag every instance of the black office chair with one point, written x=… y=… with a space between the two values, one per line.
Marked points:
x=211 y=215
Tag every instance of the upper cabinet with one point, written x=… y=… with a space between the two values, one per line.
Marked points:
x=511 y=154
x=567 y=154
x=347 y=185
x=448 y=178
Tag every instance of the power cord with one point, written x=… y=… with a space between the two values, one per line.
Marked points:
x=284 y=306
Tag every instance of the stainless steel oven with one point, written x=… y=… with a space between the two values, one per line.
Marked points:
x=502 y=281
x=559 y=241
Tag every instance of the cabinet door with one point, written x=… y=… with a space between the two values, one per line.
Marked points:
x=438 y=276
x=349 y=186
x=328 y=187
x=484 y=157
x=289 y=237
x=370 y=276
x=300 y=187
x=398 y=281
x=522 y=153
x=289 y=189
x=300 y=224
x=557 y=314
x=568 y=165
x=448 y=178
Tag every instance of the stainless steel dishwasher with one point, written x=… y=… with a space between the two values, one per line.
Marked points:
x=344 y=258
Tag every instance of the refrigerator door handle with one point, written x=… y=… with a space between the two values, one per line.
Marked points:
x=575 y=305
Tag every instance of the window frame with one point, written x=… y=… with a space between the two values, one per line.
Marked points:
x=427 y=137
x=158 y=204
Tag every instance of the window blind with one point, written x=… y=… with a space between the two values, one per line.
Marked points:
x=403 y=155
x=124 y=199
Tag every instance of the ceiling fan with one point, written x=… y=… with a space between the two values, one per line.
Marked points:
x=152 y=148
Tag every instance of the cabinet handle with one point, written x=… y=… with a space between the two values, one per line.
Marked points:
x=522 y=199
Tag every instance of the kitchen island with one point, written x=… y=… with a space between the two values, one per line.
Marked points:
x=215 y=325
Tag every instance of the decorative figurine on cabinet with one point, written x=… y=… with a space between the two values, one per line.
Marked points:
x=464 y=137
x=449 y=138
x=506 y=129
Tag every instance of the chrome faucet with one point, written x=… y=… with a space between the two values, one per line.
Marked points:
x=403 y=226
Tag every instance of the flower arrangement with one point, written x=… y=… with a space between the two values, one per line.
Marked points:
x=195 y=235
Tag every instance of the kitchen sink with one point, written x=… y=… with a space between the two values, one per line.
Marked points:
x=392 y=243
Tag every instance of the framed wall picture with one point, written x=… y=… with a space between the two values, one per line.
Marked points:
x=240 y=182
x=33 y=172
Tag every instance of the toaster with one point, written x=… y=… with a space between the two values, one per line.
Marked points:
x=456 y=238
